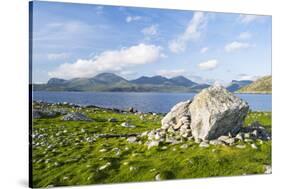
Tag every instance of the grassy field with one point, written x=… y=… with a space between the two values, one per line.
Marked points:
x=67 y=153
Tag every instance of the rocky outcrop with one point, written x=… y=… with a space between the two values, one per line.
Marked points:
x=36 y=114
x=215 y=112
x=215 y=116
x=75 y=116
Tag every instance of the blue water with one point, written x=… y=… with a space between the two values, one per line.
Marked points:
x=144 y=102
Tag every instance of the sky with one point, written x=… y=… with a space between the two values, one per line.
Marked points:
x=82 y=40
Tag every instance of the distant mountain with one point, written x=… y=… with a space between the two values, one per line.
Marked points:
x=236 y=85
x=113 y=82
x=262 y=85
x=182 y=81
x=155 y=80
x=108 y=78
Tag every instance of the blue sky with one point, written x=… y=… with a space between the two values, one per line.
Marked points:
x=76 y=40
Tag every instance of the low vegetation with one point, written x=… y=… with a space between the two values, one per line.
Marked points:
x=69 y=152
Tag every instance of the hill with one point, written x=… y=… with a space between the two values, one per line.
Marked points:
x=262 y=85
x=236 y=85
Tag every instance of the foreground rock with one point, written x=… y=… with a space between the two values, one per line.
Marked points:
x=215 y=112
x=36 y=114
x=75 y=116
x=214 y=117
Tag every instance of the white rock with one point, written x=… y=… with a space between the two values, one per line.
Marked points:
x=268 y=169
x=215 y=112
x=105 y=166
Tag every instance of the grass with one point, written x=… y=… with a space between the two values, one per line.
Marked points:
x=66 y=152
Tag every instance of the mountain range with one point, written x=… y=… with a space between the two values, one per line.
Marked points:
x=113 y=82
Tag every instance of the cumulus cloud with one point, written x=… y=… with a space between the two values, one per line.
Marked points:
x=171 y=73
x=151 y=30
x=244 y=35
x=109 y=61
x=204 y=49
x=57 y=56
x=247 y=18
x=208 y=65
x=234 y=46
x=132 y=18
x=192 y=32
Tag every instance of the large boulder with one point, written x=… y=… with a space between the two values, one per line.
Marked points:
x=177 y=117
x=215 y=112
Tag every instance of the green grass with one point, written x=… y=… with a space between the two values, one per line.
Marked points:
x=67 y=153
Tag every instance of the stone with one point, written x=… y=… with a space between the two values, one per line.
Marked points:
x=75 y=116
x=239 y=136
x=164 y=148
x=128 y=125
x=204 y=145
x=198 y=140
x=36 y=114
x=132 y=110
x=132 y=139
x=177 y=112
x=132 y=168
x=152 y=143
x=158 y=177
x=113 y=120
x=226 y=139
x=103 y=150
x=216 y=142
x=184 y=146
x=215 y=112
x=240 y=146
x=254 y=146
x=105 y=166
x=268 y=169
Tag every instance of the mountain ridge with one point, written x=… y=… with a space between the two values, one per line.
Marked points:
x=113 y=83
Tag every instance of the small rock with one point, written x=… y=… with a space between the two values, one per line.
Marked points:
x=103 y=150
x=184 y=146
x=126 y=124
x=105 y=166
x=216 y=142
x=254 y=146
x=164 y=148
x=132 y=139
x=268 y=169
x=75 y=116
x=158 y=177
x=113 y=120
x=198 y=140
x=132 y=168
x=203 y=145
x=240 y=146
x=152 y=144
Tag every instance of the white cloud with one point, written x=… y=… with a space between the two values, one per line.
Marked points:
x=208 y=65
x=204 y=49
x=57 y=56
x=151 y=30
x=236 y=46
x=132 y=18
x=192 y=32
x=247 y=77
x=247 y=18
x=171 y=73
x=244 y=35
x=109 y=61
